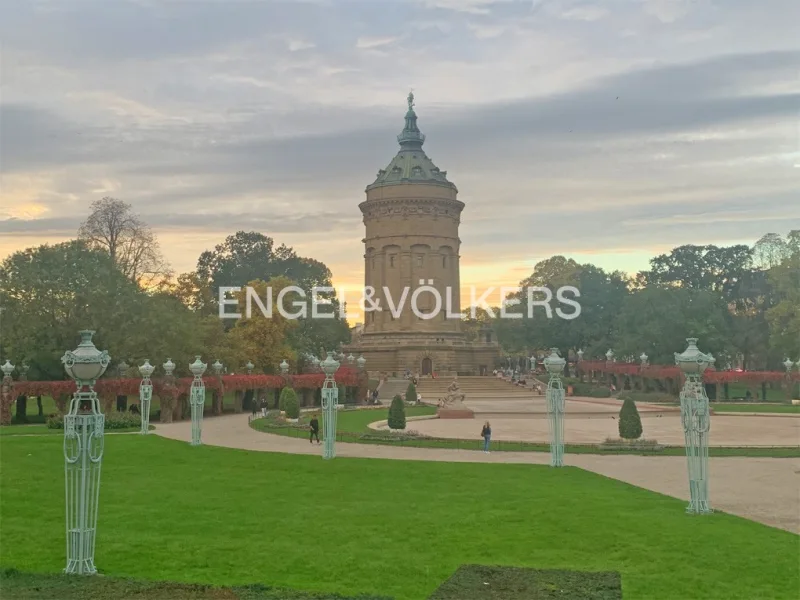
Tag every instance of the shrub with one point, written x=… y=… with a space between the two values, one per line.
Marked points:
x=630 y=423
x=397 y=413
x=411 y=393
x=114 y=420
x=285 y=393
x=289 y=403
x=648 y=397
x=590 y=390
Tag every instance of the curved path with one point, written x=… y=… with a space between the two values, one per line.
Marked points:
x=762 y=489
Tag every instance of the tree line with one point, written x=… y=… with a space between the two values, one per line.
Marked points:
x=113 y=278
x=743 y=302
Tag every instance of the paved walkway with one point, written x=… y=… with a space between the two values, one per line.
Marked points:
x=772 y=430
x=762 y=489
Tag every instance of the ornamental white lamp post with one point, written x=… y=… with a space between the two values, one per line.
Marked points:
x=249 y=366
x=168 y=367
x=555 y=406
x=197 y=399
x=643 y=358
x=145 y=394
x=315 y=362
x=83 y=453
x=788 y=364
x=284 y=366
x=609 y=355
x=361 y=362
x=217 y=366
x=7 y=369
x=580 y=355
x=6 y=393
x=350 y=359
x=330 y=395
x=696 y=420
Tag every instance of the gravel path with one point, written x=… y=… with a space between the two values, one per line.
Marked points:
x=766 y=490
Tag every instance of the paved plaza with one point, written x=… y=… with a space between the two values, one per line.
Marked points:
x=592 y=421
x=762 y=489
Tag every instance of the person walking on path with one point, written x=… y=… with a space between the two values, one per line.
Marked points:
x=486 y=434
x=314 y=430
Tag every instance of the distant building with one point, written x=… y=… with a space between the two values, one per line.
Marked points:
x=412 y=215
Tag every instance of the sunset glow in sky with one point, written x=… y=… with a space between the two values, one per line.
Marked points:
x=605 y=131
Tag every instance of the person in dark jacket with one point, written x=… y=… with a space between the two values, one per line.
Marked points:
x=486 y=434
x=314 y=430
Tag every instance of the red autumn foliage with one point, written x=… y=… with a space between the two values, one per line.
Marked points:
x=673 y=372
x=347 y=376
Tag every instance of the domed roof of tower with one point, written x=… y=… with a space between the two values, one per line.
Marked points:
x=411 y=164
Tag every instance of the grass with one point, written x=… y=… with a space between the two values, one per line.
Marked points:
x=173 y=512
x=357 y=421
x=479 y=582
x=37 y=586
x=352 y=425
x=756 y=408
x=39 y=429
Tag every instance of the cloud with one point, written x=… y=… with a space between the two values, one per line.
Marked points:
x=561 y=132
x=297 y=45
x=667 y=11
x=585 y=13
x=374 y=42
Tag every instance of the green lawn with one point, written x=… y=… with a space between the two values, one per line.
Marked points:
x=170 y=511
x=357 y=421
x=39 y=429
x=756 y=408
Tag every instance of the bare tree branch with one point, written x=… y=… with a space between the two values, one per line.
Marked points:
x=129 y=241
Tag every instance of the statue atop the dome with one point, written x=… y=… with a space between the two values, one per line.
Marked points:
x=411 y=100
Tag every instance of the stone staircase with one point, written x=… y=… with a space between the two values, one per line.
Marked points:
x=474 y=388
x=390 y=387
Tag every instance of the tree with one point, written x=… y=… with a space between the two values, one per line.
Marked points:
x=472 y=328
x=251 y=256
x=630 y=423
x=290 y=404
x=49 y=293
x=263 y=339
x=657 y=321
x=708 y=268
x=248 y=256
x=770 y=250
x=411 y=393
x=284 y=399
x=397 y=413
x=129 y=241
x=194 y=293
x=784 y=316
x=601 y=297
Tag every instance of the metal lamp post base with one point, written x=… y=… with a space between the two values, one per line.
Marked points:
x=83 y=453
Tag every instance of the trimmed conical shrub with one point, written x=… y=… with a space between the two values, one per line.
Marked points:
x=288 y=402
x=397 y=413
x=630 y=423
x=411 y=393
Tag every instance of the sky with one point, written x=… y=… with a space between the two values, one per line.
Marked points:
x=608 y=131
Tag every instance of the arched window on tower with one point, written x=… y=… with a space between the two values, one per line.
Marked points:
x=444 y=261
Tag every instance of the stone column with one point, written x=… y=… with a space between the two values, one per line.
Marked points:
x=406 y=271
